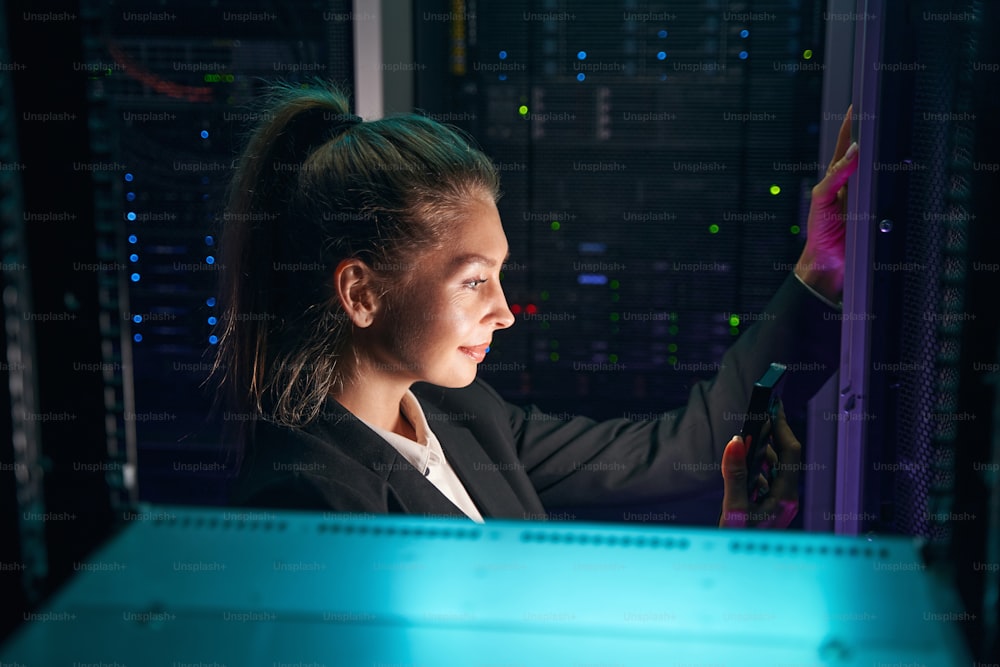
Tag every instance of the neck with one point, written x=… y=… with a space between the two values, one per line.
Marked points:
x=377 y=401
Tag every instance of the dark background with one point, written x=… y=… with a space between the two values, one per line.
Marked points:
x=638 y=203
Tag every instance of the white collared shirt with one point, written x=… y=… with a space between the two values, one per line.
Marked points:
x=425 y=454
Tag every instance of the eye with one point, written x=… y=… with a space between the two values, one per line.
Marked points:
x=475 y=283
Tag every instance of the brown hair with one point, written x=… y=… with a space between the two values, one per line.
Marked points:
x=314 y=186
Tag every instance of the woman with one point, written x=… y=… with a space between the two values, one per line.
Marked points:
x=360 y=291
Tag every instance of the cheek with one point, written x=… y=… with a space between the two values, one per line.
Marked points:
x=423 y=323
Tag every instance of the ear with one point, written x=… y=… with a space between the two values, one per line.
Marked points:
x=354 y=283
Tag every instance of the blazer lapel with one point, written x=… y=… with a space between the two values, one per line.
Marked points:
x=353 y=437
x=479 y=473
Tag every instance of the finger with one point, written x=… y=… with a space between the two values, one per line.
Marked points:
x=772 y=456
x=789 y=451
x=763 y=486
x=785 y=511
x=770 y=465
x=735 y=504
x=843 y=137
x=837 y=176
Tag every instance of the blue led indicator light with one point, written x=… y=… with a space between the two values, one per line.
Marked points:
x=132 y=238
x=581 y=55
x=744 y=55
x=130 y=196
x=744 y=33
x=581 y=76
x=209 y=240
x=592 y=279
x=662 y=55
x=137 y=318
x=210 y=260
x=212 y=320
x=133 y=257
x=210 y=302
x=213 y=339
x=130 y=215
x=503 y=55
x=128 y=178
x=137 y=338
x=502 y=77
x=135 y=277
x=661 y=34
x=204 y=134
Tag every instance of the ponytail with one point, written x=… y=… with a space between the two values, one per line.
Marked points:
x=254 y=221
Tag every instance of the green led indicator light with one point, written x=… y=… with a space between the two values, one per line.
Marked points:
x=734 y=321
x=555 y=225
x=614 y=317
x=545 y=295
x=553 y=356
x=613 y=358
x=672 y=347
x=775 y=190
x=734 y=331
x=523 y=109
x=673 y=329
x=545 y=324
x=807 y=54
x=794 y=229
x=672 y=360
x=713 y=229
x=614 y=284
x=554 y=344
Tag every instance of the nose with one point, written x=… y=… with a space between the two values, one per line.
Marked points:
x=500 y=312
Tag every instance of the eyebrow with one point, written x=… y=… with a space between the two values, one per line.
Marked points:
x=476 y=258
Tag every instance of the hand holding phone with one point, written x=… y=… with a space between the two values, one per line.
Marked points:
x=757 y=423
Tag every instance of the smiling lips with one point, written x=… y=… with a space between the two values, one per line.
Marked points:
x=477 y=352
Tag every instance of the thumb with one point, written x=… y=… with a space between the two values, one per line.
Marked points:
x=735 y=503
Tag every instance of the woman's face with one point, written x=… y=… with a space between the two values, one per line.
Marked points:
x=438 y=324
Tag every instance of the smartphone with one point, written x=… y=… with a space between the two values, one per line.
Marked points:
x=756 y=431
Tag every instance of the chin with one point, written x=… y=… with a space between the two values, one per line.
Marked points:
x=453 y=380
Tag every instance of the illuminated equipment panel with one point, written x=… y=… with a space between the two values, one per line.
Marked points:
x=656 y=160
x=202 y=586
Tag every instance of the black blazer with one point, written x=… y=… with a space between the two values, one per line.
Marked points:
x=520 y=462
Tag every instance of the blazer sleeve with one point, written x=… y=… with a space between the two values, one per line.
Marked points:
x=580 y=462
